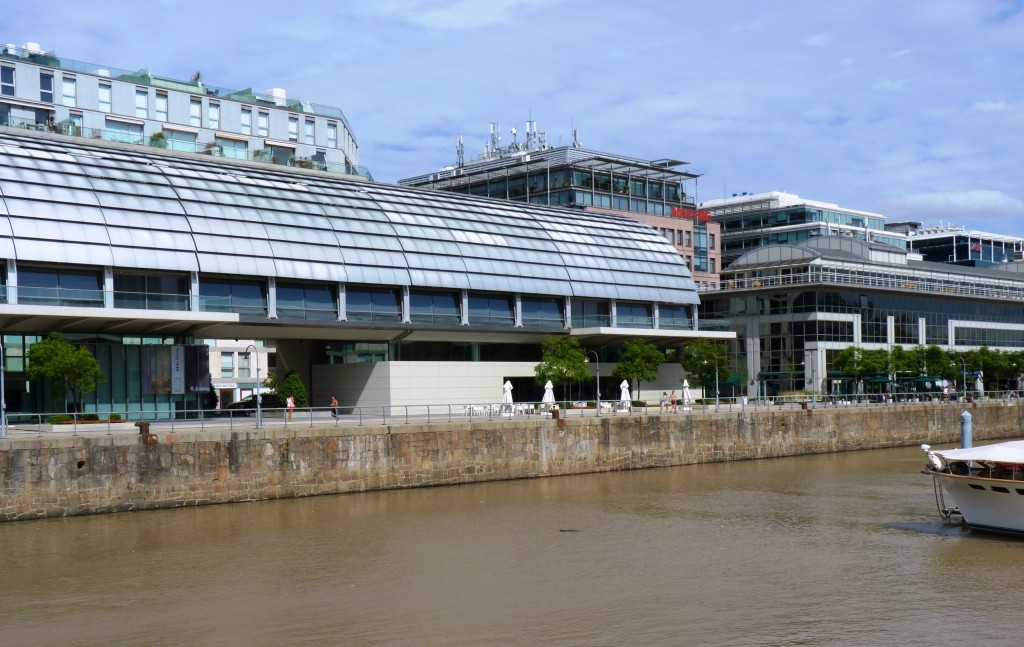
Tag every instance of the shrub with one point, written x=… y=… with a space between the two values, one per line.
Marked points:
x=90 y=416
x=115 y=417
x=60 y=419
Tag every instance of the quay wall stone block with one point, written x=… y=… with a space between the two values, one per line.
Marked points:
x=50 y=477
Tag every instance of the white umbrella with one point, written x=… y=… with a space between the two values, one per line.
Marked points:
x=506 y=400
x=549 y=395
x=625 y=399
x=687 y=398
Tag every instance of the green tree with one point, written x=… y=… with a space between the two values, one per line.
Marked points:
x=562 y=361
x=291 y=384
x=71 y=369
x=701 y=357
x=640 y=361
x=850 y=361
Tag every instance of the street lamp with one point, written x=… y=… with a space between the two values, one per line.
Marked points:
x=716 y=382
x=597 y=359
x=256 y=357
x=964 y=373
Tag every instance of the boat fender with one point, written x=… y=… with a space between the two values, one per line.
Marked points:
x=937 y=463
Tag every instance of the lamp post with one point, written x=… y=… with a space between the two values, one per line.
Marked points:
x=964 y=374
x=705 y=362
x=259 y=411
x=597 y=359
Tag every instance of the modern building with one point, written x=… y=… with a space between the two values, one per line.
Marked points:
x=44 y=92
x=381 y=295
x=754 y=220
x=794 y=306
x=658 y=193
x=960 y=246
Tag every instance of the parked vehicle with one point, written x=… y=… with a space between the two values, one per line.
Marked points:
x=247 y=406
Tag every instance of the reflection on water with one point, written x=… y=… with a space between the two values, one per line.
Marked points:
x=832 y=549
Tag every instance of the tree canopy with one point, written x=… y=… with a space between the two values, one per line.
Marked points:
x=72 y=369
x=291 y=384
x=640 y=361
x=563 y=361
x=701 y=357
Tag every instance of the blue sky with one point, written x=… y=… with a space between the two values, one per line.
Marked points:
x=913 y=109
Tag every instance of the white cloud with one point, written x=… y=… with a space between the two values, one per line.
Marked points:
x=817 y=40
x=994 y=208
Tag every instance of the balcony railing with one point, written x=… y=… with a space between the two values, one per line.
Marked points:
x=909 y=281
x=195 y=86
x=164 y=143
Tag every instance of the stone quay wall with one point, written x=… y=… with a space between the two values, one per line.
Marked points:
x=54 y=477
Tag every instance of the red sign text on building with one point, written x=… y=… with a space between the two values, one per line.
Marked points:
x=690 y=213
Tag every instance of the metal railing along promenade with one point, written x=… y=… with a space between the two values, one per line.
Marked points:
x=199 y=420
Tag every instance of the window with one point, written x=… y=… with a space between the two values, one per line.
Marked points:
x=104 y=97
x=141 y=103
x=69 y=89
x=244 y=362
x=46 y=87
x=233 y=148
x=689 y=241
x=634 y=315
x=76 y=120
x=332 y=135
x=434 y=307
x=372 y=304
x=245 y=298
x=310 y=132
x=309 y=302
x=124 y=132
x=711 y=265
x=293 y=129
x=711 y=242
x=181 y=141
x=195 y=112
x=541 y=312
x=227 y=364
x=246 y=120
x=161 y=106
x=60 y=287
x=150 y=291
x=490 y=310
x=7 y=81
x=213 y=115
x=262 y=124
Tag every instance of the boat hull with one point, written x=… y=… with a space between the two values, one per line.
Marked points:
x=987 y=504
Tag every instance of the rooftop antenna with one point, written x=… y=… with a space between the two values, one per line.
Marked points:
x=576 y=139
x=531 y=134
x=460 y=153
x=513 y=131
x=495 y=143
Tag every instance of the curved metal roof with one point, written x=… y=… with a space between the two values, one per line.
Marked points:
x=65 y=201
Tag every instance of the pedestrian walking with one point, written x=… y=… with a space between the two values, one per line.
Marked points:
x=334 y=407
x=290 y=405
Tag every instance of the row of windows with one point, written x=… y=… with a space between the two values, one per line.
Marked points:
x=69 y=98
x=80 y=288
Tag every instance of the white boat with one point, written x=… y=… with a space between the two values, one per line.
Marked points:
x=986 y=483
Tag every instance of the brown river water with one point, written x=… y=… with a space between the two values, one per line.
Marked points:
x=843 y=549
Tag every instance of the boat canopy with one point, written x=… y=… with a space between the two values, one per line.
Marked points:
x=1008 y=452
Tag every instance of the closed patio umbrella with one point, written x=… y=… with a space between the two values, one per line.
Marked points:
x=549 y=395
x=626 y=401
x=687 y=397
x=506 y=399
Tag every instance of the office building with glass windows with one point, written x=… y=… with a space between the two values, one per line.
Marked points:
x=378 y=294
x=41 y=91
x=755 y=220
x=961 y=246
x=793 y=307
x=657 y=193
